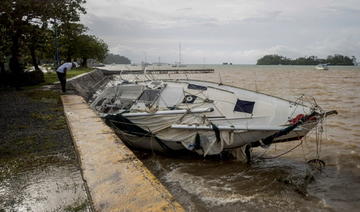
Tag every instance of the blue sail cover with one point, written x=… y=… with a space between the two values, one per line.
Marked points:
x=244 y=106
x=197 y=87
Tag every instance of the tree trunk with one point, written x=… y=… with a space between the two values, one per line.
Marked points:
x=2 y=67
x=34 y=59
x=3 y=78
x=68 y=57
x=84 y=62
x=15 y=66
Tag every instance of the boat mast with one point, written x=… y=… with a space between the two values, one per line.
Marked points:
x=179 y=54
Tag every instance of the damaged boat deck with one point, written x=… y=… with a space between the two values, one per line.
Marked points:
x=116 y=180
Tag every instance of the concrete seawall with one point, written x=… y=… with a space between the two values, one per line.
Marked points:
x=116 y=180
x=86 y=84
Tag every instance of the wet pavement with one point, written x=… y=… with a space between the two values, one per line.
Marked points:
x=38 y=167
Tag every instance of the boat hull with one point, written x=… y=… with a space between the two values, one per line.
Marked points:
x=198 y=116
x=149 y=141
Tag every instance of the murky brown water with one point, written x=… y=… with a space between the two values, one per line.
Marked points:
x=288 y=182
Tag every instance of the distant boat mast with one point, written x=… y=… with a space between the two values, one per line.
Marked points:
x=179 y=54
x=178 y=64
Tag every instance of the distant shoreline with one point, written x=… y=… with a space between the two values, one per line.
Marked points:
x=336 y=59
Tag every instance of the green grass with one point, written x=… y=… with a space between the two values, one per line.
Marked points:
x=50 y=118
x=47 y=96
x=51 y=77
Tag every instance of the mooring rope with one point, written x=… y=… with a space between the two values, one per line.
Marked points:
x=284 y=153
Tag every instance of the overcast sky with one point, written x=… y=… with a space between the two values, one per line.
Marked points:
x=216 y=31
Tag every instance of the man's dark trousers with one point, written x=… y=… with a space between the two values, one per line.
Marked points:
x=62 y=79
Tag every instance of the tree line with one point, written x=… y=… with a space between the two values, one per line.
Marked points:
x=43 y=31
x=336 y=59
x=116 y=59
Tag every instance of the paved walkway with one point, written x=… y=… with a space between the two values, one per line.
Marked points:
x=116 y=179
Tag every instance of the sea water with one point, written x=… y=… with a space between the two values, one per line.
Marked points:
x=287 y=182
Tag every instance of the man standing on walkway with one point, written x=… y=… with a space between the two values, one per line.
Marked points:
x=61 y=73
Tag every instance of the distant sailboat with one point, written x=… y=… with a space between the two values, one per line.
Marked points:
x=322 y=67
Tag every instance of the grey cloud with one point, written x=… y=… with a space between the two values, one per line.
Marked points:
x=266 y=17
x=109 y=26
x=315 y=32
x=184 y=9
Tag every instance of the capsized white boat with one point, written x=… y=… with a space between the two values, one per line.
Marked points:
x=199 y=116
